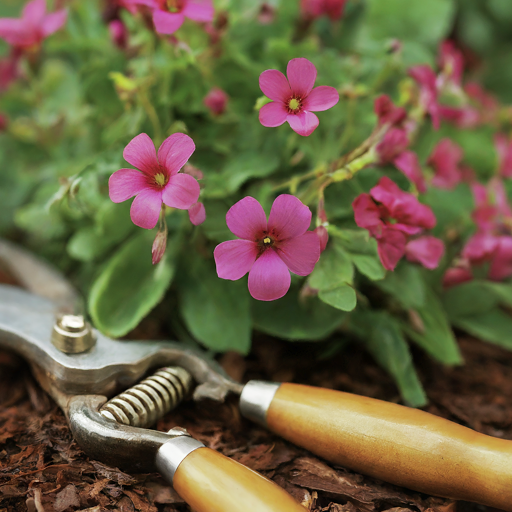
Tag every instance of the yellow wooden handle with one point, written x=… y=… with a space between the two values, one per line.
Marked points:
x=396 y=444
x=210 y=482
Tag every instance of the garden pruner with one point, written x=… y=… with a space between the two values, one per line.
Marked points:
x=80 y=368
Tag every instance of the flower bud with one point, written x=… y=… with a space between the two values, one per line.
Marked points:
x=216 y=100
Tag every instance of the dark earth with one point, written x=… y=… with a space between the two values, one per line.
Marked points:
x=43 y=469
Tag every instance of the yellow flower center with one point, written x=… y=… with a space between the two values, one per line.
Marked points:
x=160 y=179
x=174 y=5
x=294 y=104
x=267 y=240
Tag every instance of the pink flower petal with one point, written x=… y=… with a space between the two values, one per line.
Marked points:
x=288 y=218
x=321 y=98
x=197 y=214
x=408 y=163
x=33 y=13
x=246 y=219
x=301 y=74
x=391 y=247
x=54 y=22
x=480 y=247
x=323 y=237
x=387 y=112
x=235 y=258
x=125 y=183
x=427 y=250
x=304 y=123
x=200 y=11
x=273 y=114
x=274 y=85
x=14 y=32
x=181 y=191
x=167 y=22
x=367 y=214
x=146 y=207
x=393 y=143
x=501 y=264
x=456 y=275
x=175 y=151
x=140 y=152
x=445 y=160
x=269 y=278
x=300 y=253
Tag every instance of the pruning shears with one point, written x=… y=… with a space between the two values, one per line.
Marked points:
x=103 y=387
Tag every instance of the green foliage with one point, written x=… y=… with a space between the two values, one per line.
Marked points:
x=129 y=286
x=78 y=102
x=217 y=312
x=383 y=338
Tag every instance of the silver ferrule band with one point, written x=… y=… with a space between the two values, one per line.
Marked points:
x=256 y=398
x=172 y=453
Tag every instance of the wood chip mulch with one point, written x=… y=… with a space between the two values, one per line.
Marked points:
x=43 y=469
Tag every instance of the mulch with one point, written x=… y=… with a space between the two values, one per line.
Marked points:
x=43 y=469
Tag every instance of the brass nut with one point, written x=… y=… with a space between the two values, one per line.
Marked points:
x=72 y=334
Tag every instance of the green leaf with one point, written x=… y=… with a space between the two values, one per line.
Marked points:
x=130 y=286
x=332 y=270
x=387 y=345
x=437 y=336
x=415 y=20
x=216 y=311
x=238 y=170
x=471 y=298
x=331 y=276
x=343 y=297
x=493 y=326
x=406 y=285
x=294 y=318
x=370 y=266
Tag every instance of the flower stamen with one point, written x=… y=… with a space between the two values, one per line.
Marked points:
x=161 y=179
x=294 y=105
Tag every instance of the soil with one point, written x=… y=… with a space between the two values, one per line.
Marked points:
x=43 y=469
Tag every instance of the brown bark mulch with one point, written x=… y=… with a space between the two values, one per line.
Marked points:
x=42 y=468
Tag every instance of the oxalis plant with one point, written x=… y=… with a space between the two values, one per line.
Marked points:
x=307 y=169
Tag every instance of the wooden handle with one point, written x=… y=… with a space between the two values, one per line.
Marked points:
x=210 y=482
x=404 y=446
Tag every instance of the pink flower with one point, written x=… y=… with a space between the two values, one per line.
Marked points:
x=493 y=240
x=456 y=275
x=394 y=142
x=216 y=100
x=462 y=117
x=451 y=63
x=387 y=112
x=118 y=33
x=504 y=149
x=8 y=70
x=392 y=216
x=445 y=160
x=266 y=14
x=295 y=100
x=4 y=122
x=158 y=181
x=427 y=250
x=408 y=163
x=33 y=27
x=197 y=214
x=426 y=79
x=268 y=250
x=169 y=15
x=316 y=8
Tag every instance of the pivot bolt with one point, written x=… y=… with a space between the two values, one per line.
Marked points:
x=72 y=334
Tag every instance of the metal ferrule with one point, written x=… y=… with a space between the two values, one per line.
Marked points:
x=172 y=453
x=256 y=398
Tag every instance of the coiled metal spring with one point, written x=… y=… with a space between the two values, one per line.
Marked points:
x=145 y=403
